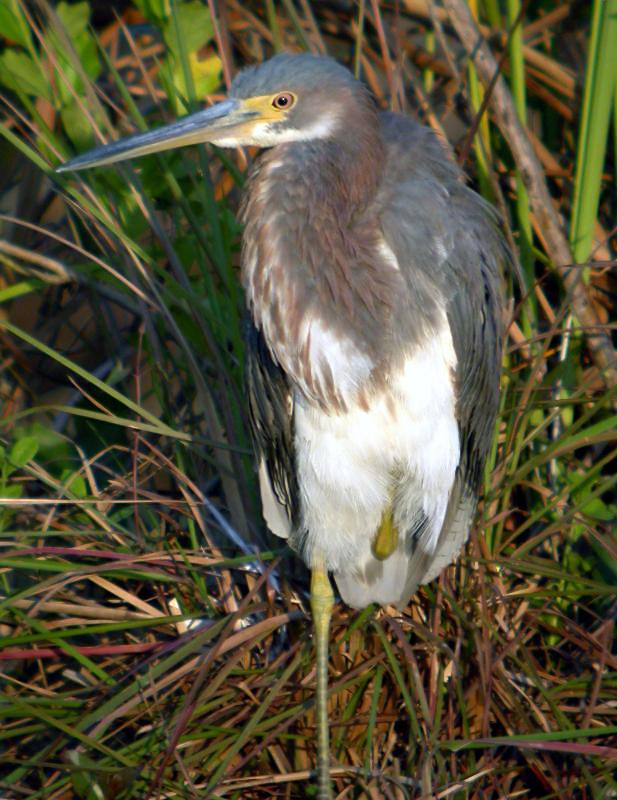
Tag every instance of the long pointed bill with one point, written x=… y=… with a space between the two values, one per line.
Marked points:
x=221 y=121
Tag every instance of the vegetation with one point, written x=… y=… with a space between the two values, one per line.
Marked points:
x=155 y=640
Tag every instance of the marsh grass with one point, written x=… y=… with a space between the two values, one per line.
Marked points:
x=155 y=640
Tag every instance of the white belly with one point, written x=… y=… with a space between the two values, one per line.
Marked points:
x=401 y=452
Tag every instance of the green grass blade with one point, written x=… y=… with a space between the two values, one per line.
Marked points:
x=598 y=99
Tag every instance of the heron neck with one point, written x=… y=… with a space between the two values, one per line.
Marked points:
x=340 y=175
x=313 y=264
x=308 y=213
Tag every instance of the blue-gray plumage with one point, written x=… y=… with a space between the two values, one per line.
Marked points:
x=367 y=233
x=372 y=277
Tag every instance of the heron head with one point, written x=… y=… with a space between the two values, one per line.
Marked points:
x=297 y=97
x=288 y=98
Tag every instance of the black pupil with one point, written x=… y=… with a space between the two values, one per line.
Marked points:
x=282 y=100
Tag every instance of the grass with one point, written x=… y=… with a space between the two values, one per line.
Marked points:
x=155 y=640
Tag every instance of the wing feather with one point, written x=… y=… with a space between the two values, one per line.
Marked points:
x=449 y=243
x=271 y=424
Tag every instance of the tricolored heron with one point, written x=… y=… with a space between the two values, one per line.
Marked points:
x=372 y=280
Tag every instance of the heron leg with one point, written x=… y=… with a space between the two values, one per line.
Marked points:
x=322 y=601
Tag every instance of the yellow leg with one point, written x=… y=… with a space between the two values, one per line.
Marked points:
x=322 y=600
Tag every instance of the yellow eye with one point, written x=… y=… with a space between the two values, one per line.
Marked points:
x=283 y=101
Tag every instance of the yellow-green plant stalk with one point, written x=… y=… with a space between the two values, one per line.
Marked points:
x=598 y=97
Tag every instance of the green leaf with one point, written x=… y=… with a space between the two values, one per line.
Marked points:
x=185 y=74
x=74 y=483
x=24 y=451
x=53 y=447
x=12 y=492
x=74 y=17
x=157 y=11
x=77 y=127
x=597 y=509
x=19 y=73
x=13 y=25
x=20 y=289
x=88 y=55
x=77 y=56
x=190 y=30
x=206 y=75
x=605 y=558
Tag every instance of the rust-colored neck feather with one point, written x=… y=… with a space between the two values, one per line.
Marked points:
x=313 y=249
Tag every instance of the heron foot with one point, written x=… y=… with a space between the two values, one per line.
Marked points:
x=386 y=540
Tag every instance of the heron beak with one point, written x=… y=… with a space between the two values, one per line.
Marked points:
x=221 y=121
